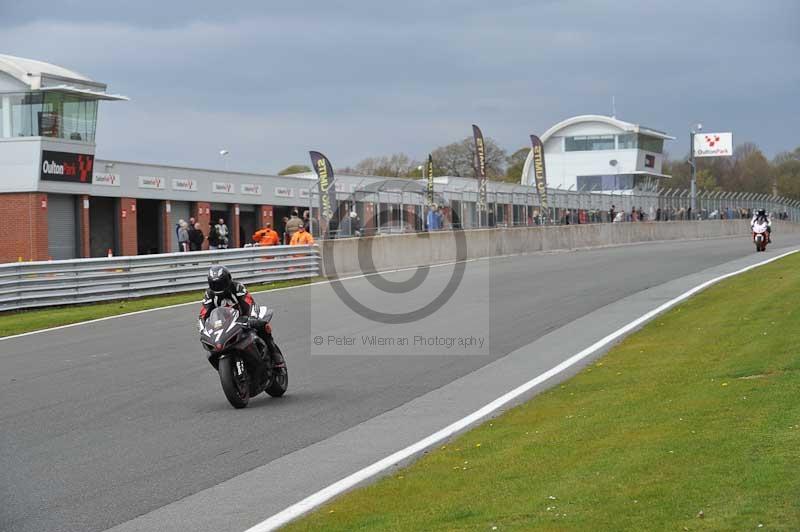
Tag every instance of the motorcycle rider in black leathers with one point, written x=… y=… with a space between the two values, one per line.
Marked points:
x=223 y=291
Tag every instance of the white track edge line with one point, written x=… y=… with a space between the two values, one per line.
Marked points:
x=320 y=497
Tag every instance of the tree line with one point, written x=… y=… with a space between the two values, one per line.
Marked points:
x=747 y=170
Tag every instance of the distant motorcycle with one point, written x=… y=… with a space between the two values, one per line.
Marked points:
x=760 y=235
x=241 y=357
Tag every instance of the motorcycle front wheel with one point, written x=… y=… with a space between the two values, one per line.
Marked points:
x=235 y=383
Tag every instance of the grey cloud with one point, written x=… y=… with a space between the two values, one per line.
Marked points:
x=363 y=78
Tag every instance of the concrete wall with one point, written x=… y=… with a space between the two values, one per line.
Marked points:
x=389 y=252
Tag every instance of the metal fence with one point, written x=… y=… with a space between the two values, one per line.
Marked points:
x=398 y=206
x=39 y=284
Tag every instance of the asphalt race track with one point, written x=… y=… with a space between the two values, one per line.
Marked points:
x=105 y=422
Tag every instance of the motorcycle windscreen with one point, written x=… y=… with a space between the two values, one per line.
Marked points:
x=221 y=319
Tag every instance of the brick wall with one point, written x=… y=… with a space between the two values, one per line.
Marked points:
x=24 y=220
x=126 y=220
x=265 y=216
x=233 y=227
x=85 y=228
x=168 y=232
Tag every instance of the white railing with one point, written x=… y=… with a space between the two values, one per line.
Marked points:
x=66 y=282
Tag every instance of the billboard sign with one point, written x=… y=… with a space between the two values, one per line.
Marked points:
x=64 y=166
x=106 y=180
x=188 y=185
x=220 y=187
x=284 y=192
x=250 y=189
x=713 y=144
x=152 y=182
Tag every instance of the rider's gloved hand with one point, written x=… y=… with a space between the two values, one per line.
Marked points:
x=254 y=323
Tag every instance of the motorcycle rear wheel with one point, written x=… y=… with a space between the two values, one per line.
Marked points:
x=236 y=387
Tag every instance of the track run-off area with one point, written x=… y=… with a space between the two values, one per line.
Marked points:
x=122 y=423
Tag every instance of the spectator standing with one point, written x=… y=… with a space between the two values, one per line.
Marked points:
x=196 y=238
x=266 y=236
x=222 y=234
x=301 y=237
x=213 y=238
x=432 y=221
x=612 y=214
x=293 y=224
x=183 y=236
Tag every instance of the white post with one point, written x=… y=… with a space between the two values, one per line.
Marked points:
x=5 y=127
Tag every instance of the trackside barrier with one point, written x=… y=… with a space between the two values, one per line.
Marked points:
x=66 y=282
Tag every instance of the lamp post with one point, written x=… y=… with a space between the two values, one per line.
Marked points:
x=693 y=164
x=224 y=154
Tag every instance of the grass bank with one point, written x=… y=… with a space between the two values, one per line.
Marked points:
x=692 y=423
x=18 y=322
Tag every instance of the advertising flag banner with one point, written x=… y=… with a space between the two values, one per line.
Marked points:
x=713 y=144
x=429 y=188
x=480 y=166
x=539 y=172
x=327 y=190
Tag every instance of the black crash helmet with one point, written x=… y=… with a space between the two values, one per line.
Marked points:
x=219 y=280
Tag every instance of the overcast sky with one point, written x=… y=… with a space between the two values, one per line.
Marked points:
x=271 y=80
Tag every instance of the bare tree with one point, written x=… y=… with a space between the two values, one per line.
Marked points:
x=458 y=159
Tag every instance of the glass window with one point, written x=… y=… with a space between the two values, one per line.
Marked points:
x=626 y=141
x=575 y=144
x=52 y=114
x=606 y=182
x=651 y=144
x=589 y=143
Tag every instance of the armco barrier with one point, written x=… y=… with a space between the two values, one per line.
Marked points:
x=62 y=282
x=417 y=249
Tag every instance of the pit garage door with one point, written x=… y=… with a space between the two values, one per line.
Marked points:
x=179 y=210
x=102 y=226
x=247 y=224
x=62 y=226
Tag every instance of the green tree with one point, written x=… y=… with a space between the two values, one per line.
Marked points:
x=787 y=173
x=295 y=169
x=516 y=162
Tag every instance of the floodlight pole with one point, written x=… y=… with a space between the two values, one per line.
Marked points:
x=693 y=164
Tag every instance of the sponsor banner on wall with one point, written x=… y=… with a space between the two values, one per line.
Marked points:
x=187 y=185
x=106 y=180
x=429 y=182
x=64 y=166
x=327 y=187
x=223 y=187
x=152 y=182
x=480 y=166
x=304 y=193
x=713 y=144
x=284 y=192
x=539 y=172
x=250 y=189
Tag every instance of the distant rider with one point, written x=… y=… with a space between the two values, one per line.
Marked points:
x=224 y=292
x=762 y=217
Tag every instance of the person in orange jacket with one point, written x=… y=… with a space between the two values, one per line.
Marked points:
x=301 y=237
x=267 y=236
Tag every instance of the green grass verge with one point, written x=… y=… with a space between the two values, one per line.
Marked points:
x=698 y=411
x=18 y=322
